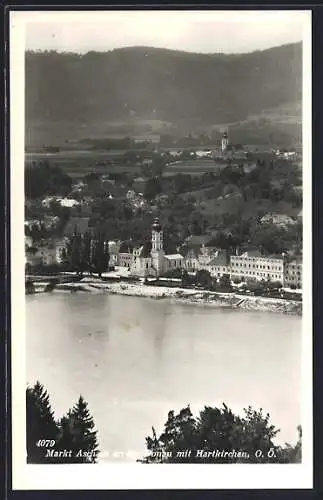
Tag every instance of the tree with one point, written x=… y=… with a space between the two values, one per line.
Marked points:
x=42 y=179
x=74 y=252
x=186 y=278
x=72 y=438
x=100 y=255
x=29 y=286
x=40 y=422
x=256 y=287
x=246 y=439
x=203 y=278
x=225 y=283
x=272 y=285
x=86 y=251
x=76 y=433
x=293 y=454
x=152 y=188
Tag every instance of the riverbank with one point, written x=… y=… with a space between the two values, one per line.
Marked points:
x=189 y=296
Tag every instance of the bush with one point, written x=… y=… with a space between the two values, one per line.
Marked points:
x=29 y=287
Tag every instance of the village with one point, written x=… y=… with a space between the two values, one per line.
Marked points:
x=149 y=256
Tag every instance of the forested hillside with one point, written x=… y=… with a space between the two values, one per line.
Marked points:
x=147 y=83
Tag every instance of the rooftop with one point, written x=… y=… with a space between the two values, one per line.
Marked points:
x=175 y=256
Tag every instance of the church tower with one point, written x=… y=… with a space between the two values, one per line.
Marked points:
x=224 y=142
x=157 y=250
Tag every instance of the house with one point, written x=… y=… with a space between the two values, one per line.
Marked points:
x=114 y=248
x=220 y=264
x=282 y=220
x=204 y=154
x=205 y=255
x=32 y=257
x=125 y=254
x=46 y=253
x=293 y=269
x=253 y=265
x=46 y=202
x=191 y=260
x=68 y=202
x=173 y=261
x=64 y=202
x=28 y=241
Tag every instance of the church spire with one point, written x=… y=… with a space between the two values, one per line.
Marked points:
x=224 y=141
x=156 y=225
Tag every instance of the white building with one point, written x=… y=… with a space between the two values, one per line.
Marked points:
x=281 y=220
x=28 y=241
x=219 y=265
x=150 y=259
x=253 y=265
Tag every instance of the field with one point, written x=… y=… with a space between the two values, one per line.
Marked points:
x=63 y=134
x=199 y=167
x=79 y=163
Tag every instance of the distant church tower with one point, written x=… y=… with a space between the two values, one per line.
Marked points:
x=157 y=250
x=224 y=142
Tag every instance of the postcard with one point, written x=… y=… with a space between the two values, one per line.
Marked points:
x=161 y=249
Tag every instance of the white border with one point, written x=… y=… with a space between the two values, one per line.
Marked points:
x=135 y=476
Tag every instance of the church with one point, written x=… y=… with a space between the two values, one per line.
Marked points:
x=150 y=259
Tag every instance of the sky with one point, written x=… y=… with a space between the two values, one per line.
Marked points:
x=192 y=31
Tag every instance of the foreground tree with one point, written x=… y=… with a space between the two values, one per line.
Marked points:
x=242 y=439
x=40 y=422
x=76 y=433
x=72 y=439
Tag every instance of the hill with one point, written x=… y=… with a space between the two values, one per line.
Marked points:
x=146 y=85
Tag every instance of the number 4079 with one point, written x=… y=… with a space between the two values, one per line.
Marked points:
x=45 y=443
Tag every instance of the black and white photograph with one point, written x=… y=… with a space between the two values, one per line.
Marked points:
x=161 y=249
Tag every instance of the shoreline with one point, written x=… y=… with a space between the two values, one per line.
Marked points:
x=180 y=295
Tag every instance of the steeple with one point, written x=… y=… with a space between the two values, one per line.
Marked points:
x=156 y=225
x=156 y=236
x=157 y=251
x=224 y=142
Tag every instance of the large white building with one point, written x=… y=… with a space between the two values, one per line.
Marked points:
x=150 y=259
x=253 y=265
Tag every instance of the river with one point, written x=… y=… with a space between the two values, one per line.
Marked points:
x=134 y=359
